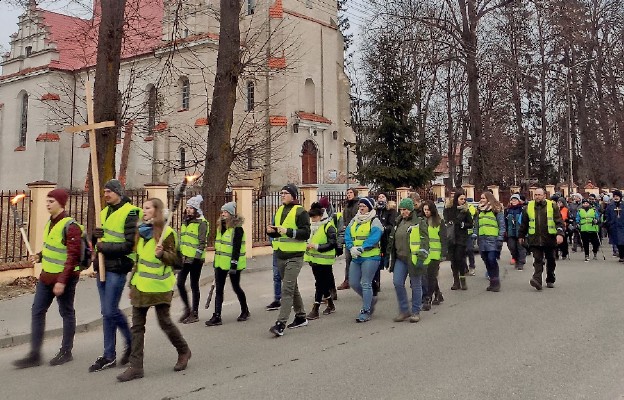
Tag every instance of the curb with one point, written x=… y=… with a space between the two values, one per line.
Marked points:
x=95 y=324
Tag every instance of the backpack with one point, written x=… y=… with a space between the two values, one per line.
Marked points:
x=86 y=248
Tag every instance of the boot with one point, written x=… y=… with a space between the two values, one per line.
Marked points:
x=495 y=285
x=185 y=314
x=330 y=307
x=314 y=314
x=489 y=288
x=437 y=298
x=193 y=317
x=244 y=316
x=215 y=320
x=334 y=294
x=31 y=360
x=183 y=360
x=130 y=374
x=344 y=285
x=456 y=284
x=426 y=306
x=462 y=282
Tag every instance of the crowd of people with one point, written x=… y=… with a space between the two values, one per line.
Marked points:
x=409 y=239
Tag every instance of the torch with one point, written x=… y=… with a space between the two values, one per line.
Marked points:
x=176 y=202
x=18 y=221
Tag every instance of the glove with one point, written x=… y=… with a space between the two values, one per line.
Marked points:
x=356 y=252
x=98 y=233
x=595 y=221
x=474 y=235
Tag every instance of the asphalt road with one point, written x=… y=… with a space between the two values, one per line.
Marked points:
x=561 y=343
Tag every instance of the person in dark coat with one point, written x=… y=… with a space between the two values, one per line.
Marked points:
x=458 y=221
x=388 y=217
x=543 y=228
x=615 y=223
x=349 y=211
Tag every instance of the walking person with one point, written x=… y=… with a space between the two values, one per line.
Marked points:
x=490 y=228
x=349 y=211
x=321 y=254
x=573 y=208
x=513 y=220
x=458 y=221
x=362 y=238
x=151 y=285
x=408 y=247
x=472 y=236
x=338 y=221
x=563 y=248
x=587 y=219
x=58 y=279
x=543 y=228
x=388 y=217
x=193 y=240
x=437 y=251
x=118 y=238
x=277 y=281
x=230 y=259
x=290 y=232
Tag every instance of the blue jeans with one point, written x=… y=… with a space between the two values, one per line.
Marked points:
x=398 y=279
x=112 y=317
x=43 y=299
x=491 y=263
x=361 y=276
x=277 y=280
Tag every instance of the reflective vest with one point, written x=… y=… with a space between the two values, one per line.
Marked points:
x=54 y=253
x=552 y=228
x=414 y=240
x=284 y=243
x=587 y=220
x=488 y=225
x=114 y=225
x=473 y=211
x=359 y=234
x=320 y=237
x=152 y=275
x=189 y=239
x=224 y=248
x=435 y=244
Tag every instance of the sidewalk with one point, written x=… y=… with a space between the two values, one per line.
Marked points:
x=15 y=314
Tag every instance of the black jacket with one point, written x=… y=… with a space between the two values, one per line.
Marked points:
x=388 y=218
x=350 y=210
x=541 y=238
x=458 y=221
x=115 y=259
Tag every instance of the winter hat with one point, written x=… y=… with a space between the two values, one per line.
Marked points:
x=292 y=189
x=577 y=196
x=195 y=202
x=407 y=204
x=515 y=196
x=617 y=193
x=115 y=186
x=367 y=202
x=563 y=201
x=324 y=202
x=229 y=207
x=606 y=198
x=585 y=201
x=60 y=195
x=316 y=210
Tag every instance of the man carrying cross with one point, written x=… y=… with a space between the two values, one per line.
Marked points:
x=615 y=223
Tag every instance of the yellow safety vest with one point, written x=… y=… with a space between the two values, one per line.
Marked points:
x=552 y=228
x=488 y=225
x=435 y=244
x=114 y=225
x=152 y=275
x=320 y=237
x=473 y=211
x=414 y=240
x=587 y=220
x=285 y=243
x=224 y=248
x=359 y=234
x=189 y=238
x=54 y=253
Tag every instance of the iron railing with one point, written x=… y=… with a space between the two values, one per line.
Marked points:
x=12 y=247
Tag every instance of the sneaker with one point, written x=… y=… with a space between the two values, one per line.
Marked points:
x=277 y=329
x=31 y=360
x=102 y=363
x=192 y=318
x=274 y=306
x=364 y=316
x=244 y=316
x=62 y=357
x=215 y=320
x=586 y=258
x=537 y=285
x=298 y=322
x=125 y=359
x=344 y=285
x=550 y=285
x=595 y=257
x=471 y=272
x=130 y=374
x=184 y=315
x=401 y=317
x=414 y=318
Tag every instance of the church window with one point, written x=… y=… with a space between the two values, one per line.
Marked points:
x=186 y=92
x=28 y=51
x=251 y=6
x=182 y=159
x=23 y=120
x=251 y=95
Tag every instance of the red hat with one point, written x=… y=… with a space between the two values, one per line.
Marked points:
x=324 y=202
x=60 y=195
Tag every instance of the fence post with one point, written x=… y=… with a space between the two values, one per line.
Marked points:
x=495 y=192
x=470 y=191
x=402 y=193
x=243 y=193
x=157 y=190
x=439 y=190
x=38 y=216
x=310 y=193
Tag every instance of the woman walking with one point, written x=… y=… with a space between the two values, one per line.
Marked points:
x=229 y=260
x=408 y=247
x=458 y=221
x=490 y=228
x=437 y=252
x=193 y=239
x=321 y=254
x=151 y=284
x=362 y=238
x=513 y=220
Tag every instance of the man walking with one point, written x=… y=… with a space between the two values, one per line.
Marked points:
x=543 y=228
x=59 y=275
x=349 y=211
x=118 y=235
x=290 y=231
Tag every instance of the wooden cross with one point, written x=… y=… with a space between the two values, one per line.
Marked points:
x=95 y=174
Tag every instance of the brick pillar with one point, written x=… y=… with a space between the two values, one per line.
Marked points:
x=514 y=189
x=157 y=190
x=470 y=191
x=402 y=193
x=243 y=193
x=439 y=190
x=564 y=190
x=550 y=190
x=310 y=195
x=39 y=216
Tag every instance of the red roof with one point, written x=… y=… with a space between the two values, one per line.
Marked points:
x=313 y=117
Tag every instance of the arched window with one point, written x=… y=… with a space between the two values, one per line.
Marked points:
x=23 y=120
x=185 y=86
x=251 y=95
x=309 y=163
x=251 y=7
x=182 y=159
x=309 y=101
x=151 y=110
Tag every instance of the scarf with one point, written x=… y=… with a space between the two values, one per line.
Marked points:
x=146 y=231
x=487 y=207
x=362 y=218
x=314 y=226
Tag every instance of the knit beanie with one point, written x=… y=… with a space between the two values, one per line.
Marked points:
x=617 y=193
x=407 y=204
x=229 y=207
x=585 y=201
x=292 y=189
x=324 y=202
x=195 y=202
x=515 y=196
x=60 y=195
x=366 y=201
x=115 y=186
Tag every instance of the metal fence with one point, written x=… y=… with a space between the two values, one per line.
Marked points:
x=78 y=203
x=265 y=205
x=12 y=247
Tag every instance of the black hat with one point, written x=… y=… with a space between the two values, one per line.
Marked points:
x=617 y=193
x=292 y=189
x=115 y=186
